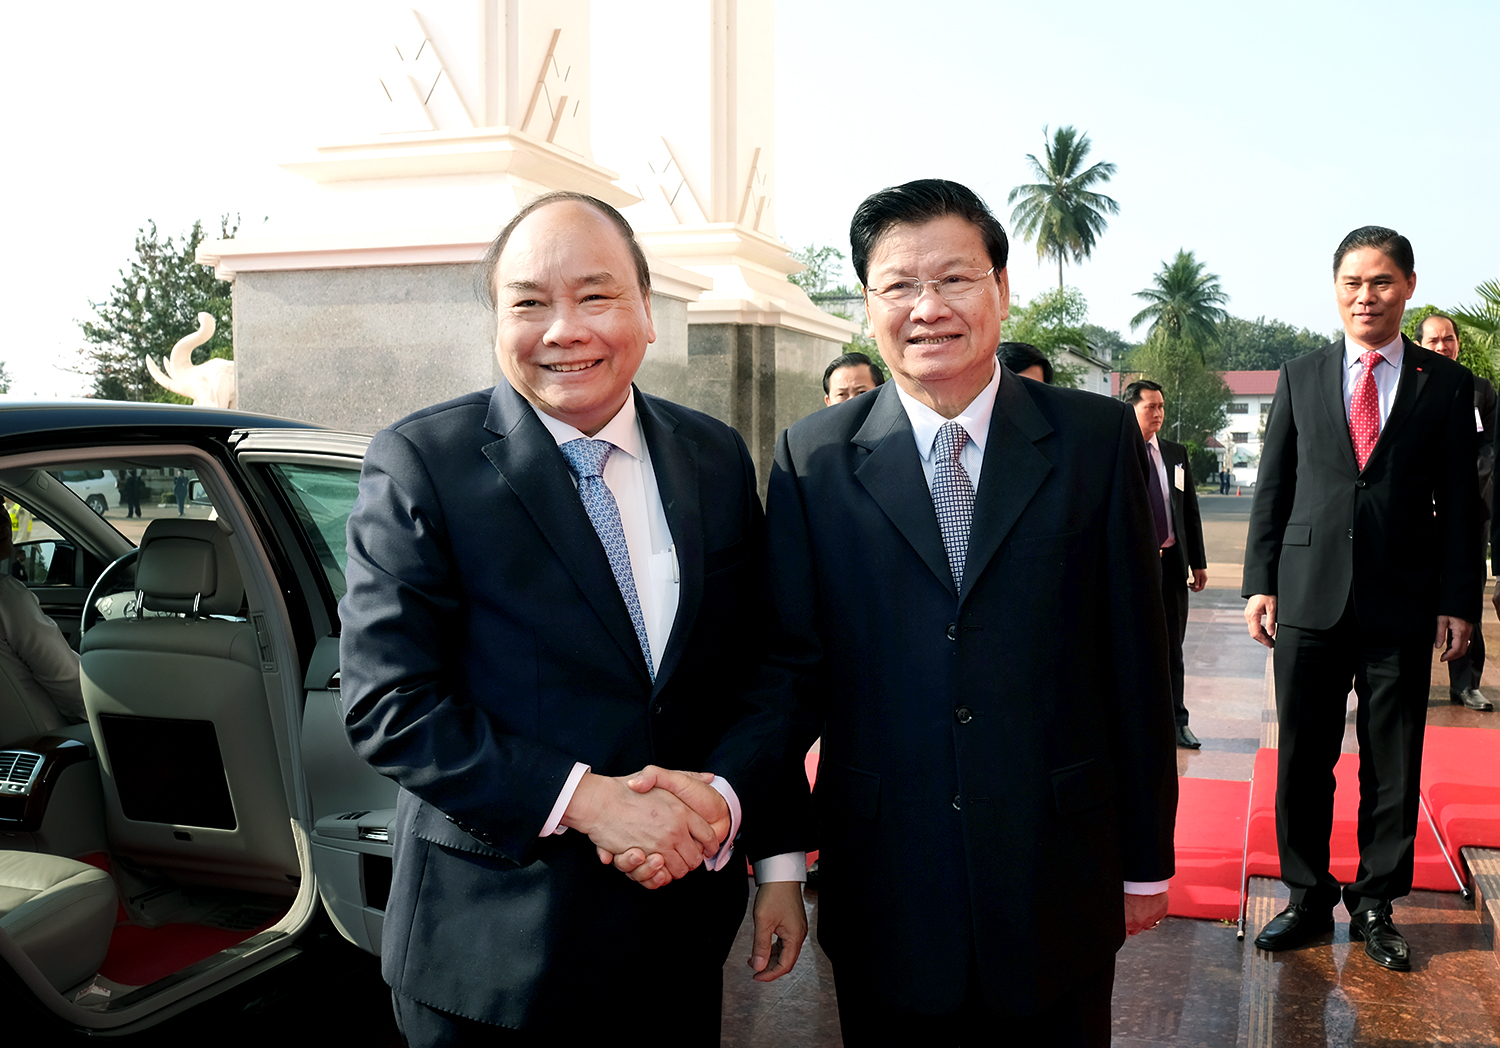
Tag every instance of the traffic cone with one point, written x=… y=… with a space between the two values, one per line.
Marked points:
x=1236 y=491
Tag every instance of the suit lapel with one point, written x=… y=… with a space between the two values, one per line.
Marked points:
x=892 y=474
x=1013 y=471
x=1408 y=390
x=526 y=456
x=674 y=461
x=1330 y=379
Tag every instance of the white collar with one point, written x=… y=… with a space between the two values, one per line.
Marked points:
x=975 y=417
x=621 y=431
x=1391 y=352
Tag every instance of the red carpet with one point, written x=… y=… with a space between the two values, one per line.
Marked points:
x=1459 y=781
x=1210 y=844
x=1431 y=871
x=138 y=956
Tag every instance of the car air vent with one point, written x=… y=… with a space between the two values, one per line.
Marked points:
x=353 y=814
x=18 y=771
x=375 y=833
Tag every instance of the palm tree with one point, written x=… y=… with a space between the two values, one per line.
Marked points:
x=1184 y=304
x=1061 y=212
x=1482 y=322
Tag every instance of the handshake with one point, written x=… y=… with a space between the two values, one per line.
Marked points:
x=654 y=826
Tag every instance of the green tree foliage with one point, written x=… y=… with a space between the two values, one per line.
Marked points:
x=156 y=302
x=1478 y=329
x=825 y=265
x=1475 y=348
x=1053 y=322
x=1107 y=344
x=4 y=380
x=1197 y=399
x=1185 y=303
x=1061 y=213
x=1202 y=461
x=1263 y=345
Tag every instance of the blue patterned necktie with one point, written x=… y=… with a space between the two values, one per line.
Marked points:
x=587 y=458
x=952 y=495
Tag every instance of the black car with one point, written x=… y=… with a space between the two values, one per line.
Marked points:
x=182 y=838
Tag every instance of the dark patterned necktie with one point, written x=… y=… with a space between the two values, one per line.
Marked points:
x=587 y=458
x=952 y=496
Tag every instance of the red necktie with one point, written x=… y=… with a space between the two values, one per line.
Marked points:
x=1364 y=410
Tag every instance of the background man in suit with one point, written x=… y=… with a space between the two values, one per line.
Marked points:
x=990 y=829
x=848 y=376
x=1179 y=533
x=517 y=640
x=1361 y=541
x=1025 y=360
x=1439 y=333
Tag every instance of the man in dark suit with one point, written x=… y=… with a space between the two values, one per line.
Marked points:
x=1361 y=550
x=1439 y=334
x=551 y=585
x=1179 y=531
x=990 y=829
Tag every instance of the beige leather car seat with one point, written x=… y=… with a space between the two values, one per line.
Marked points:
x=192 y=782
x=59 y=912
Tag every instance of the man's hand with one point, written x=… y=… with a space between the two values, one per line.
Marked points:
x=693 y=789
x=1452 y=637
x=1200 y=579
x=1260 y=616
x=617 y=817
x=778 y=912
x=1143 y=912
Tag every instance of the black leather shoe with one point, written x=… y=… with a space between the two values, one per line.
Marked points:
x=1473 y=698
x=1186 y=739
x=1383 y=943
x=1294 y=926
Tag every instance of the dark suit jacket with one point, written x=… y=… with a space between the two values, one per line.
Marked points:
x=486 y=648
x=1399 y=533
x=1484 y=403
x=971 y=797
x=1187 y=553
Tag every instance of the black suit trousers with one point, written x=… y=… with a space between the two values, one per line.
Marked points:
x=1174 y=600
x=1314 y=670
x=1080 y=1018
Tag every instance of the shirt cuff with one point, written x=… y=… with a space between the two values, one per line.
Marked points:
x=721 y=860
x=788 y=866
x=570 y=786
x=1145 y=887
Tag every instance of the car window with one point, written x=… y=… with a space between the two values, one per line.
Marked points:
x=322 y=498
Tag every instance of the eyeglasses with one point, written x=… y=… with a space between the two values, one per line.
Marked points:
x=951 y=287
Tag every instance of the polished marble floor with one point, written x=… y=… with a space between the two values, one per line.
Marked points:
x=1194 y=983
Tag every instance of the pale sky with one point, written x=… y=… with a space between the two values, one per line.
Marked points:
x=1254 y=135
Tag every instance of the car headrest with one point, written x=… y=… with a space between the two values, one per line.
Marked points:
x=188 y=565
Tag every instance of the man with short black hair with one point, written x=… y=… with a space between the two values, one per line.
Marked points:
x=553 y=591
x=849 y=375
x=991 y=830
x=1439 y=333
x=1025 y=360
x=1179 y=532
x=1360 y=558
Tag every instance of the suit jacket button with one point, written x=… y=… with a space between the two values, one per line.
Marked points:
x=956 y=805
x=1361 y=483
x=1351 y=533
x=963 y=715
x=657 y=708
x=953 y=631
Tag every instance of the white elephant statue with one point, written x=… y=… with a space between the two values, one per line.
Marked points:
x=210 y=383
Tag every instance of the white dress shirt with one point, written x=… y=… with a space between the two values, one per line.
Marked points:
x=653 y=564
x=1387 y=374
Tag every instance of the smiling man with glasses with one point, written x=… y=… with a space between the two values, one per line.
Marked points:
x=981 y=809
